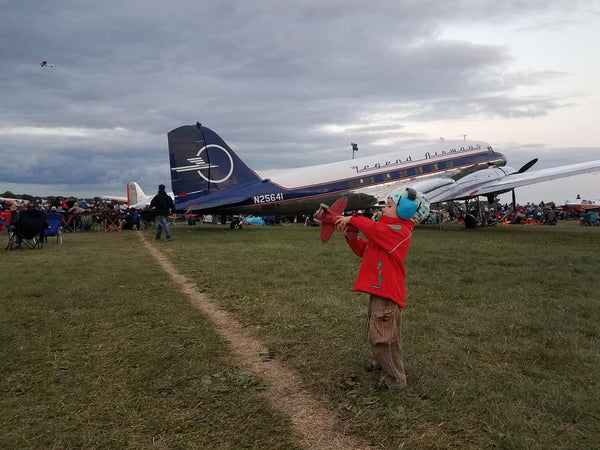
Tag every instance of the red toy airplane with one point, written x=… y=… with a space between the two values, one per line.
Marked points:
x=326 y=216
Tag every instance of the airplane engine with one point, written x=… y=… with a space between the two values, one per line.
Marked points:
x=486 y=175
x=470 y=183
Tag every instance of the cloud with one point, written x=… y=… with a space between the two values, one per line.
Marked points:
x=284 y=83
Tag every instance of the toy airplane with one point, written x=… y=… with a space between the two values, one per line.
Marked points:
x=327 y=215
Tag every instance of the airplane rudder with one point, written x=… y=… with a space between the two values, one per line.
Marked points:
x=135 y=193
x=129 y=202
x=202 y=161
x=184 y=142
x=220 y=150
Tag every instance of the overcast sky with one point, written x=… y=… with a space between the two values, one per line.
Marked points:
x=291 y=83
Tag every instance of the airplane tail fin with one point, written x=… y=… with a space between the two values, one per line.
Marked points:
x=202 y=163
x=134 y=193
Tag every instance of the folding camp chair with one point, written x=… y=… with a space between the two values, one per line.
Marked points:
x=28 y=229
x=54 y=228
x=113 y=221
x=5 y=217
x=69 y=222
x=86 y=221
x=147 y=218
x=191 y=219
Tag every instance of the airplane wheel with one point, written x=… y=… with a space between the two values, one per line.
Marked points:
x=236 y=225
x=471 y=221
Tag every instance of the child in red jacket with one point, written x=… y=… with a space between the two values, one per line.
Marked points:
x=382 y=274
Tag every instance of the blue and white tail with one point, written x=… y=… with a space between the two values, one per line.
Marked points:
x=202 y=163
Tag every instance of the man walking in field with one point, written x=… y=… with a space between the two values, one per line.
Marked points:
x=162 y=205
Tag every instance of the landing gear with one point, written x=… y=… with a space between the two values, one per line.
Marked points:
x=471 y=220
x=475 y=216
x=236 y=224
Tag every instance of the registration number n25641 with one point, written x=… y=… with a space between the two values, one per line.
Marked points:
x=268 y=198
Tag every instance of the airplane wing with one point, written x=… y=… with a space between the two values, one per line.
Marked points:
x=499 y=180
x=117 y=199
x=491 y=181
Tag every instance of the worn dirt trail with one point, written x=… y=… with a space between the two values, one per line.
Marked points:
x=318 y=427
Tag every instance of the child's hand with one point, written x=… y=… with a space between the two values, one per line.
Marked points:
x=341 y=223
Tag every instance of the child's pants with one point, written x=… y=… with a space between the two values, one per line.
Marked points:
x=385 y=323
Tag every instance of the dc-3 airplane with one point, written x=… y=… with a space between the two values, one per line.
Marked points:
x=209 y=178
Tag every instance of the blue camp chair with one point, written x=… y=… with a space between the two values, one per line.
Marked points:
x=54 y=227
x=191 y=219
x=28 y=229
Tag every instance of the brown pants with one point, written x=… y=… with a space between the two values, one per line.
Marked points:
x=385 y=324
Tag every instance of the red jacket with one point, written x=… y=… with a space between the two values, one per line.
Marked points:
x=382 y=270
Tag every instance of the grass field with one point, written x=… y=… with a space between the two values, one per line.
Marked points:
x=501 y=340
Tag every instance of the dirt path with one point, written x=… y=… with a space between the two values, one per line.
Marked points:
x=318 y=427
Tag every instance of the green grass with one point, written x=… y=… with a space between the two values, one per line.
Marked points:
x=99 y=349
x=501 y=339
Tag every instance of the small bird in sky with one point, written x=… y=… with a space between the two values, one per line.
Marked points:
x=45 y=64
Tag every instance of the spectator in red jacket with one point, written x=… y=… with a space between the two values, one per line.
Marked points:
x=382 y=274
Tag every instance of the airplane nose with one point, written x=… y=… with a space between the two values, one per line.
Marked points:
x=500 y=160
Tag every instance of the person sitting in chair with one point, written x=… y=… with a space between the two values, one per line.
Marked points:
x=14 y=223
x=132 y=220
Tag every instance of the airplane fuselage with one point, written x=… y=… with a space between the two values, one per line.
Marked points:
x=208 y=177
x=581 y=205
x=302 y=190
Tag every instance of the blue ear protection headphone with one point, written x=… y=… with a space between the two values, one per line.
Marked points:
x=407 y=204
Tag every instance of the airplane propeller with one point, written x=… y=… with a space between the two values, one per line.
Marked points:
x=523 y=168
x=527 y=166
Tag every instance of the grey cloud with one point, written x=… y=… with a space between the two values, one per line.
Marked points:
x=266 y=75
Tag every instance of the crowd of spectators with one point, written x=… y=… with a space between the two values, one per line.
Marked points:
x=70 y=204
x=79 y=214
x=528 y=214
x=82 y=215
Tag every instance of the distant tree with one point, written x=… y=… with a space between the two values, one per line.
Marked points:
x=8 y=194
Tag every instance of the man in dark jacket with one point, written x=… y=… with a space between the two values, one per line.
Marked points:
x=162 y=205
